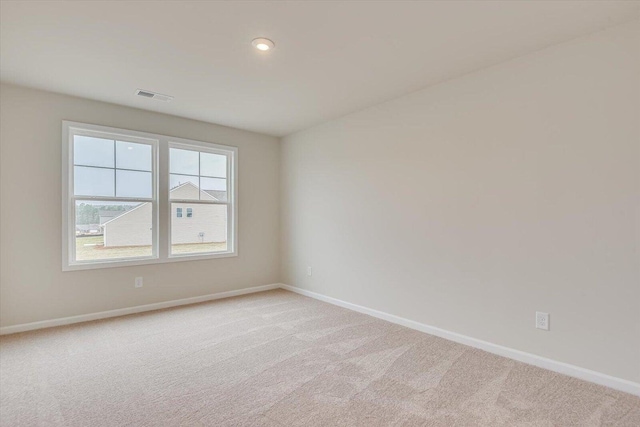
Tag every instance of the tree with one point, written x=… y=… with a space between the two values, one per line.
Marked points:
x=87 y=214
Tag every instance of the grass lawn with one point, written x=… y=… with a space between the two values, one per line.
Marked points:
x=92 y=247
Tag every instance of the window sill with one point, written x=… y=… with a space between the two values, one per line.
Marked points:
x=146 y=261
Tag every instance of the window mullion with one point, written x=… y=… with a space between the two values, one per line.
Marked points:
x=164 y=204
x=231 y=208
x=115 y=180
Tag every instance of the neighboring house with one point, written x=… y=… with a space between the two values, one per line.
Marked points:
x=220 y=196
x=190 y=222
x=87 y=229
x=106 y=215
x=95 y=229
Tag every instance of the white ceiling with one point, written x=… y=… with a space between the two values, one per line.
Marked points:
x=331 y=58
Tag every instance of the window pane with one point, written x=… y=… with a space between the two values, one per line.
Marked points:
x=214 y=189
x=213 y=165
x=183 y=161
x=133 y=156
x=205 y=231
x=184 y=187
x=112 y=230
x=133 y=184
x=93 y=181
x=91 y=151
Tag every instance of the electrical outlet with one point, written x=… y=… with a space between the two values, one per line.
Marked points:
x=138 y=282
x=309 y=272
x=542 y=320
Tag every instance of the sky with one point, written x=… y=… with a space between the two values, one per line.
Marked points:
x=109 y=168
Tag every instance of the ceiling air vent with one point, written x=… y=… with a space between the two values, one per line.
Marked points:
x=153 y=95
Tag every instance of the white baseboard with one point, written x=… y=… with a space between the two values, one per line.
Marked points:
x=521 y=356
x=130 y=310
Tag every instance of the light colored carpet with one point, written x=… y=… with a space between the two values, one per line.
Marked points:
x=279 y=359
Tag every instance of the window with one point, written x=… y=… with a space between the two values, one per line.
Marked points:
x=117 y=183
x=198 y=176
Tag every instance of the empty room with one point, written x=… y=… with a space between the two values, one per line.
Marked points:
x=320 y=213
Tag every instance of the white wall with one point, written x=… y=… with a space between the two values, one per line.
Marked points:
x=32 y=284
x=472 y=204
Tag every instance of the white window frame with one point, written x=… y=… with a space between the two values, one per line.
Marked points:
x=184 y=144
x=161 y=204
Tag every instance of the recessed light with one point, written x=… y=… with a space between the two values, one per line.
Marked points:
x=263 y=44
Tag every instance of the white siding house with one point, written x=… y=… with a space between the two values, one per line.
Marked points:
x=132 y=228
x=207 y=224
x=190 y=222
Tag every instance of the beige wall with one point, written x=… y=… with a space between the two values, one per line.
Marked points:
x=474 y=203
x=32 y=284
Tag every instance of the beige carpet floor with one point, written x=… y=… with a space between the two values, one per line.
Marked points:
x=279 y=359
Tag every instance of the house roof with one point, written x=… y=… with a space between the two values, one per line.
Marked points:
x=125 y=213
x=107 y=215
x=220 y=196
